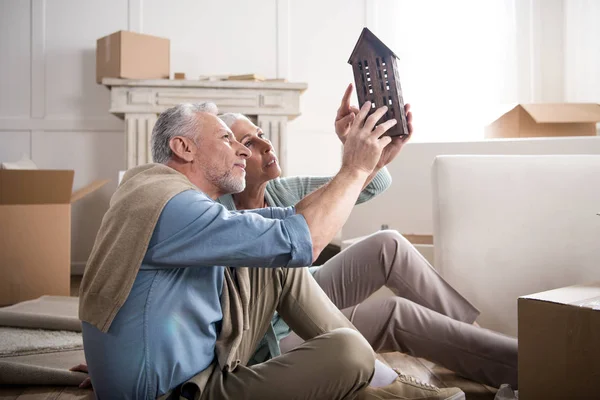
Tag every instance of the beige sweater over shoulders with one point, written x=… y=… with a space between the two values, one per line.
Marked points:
x=120 y=247
x=123 y=238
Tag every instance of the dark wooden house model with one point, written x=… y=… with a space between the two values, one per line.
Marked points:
x=376 y=80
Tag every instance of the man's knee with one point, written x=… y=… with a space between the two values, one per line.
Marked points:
x=352 y=353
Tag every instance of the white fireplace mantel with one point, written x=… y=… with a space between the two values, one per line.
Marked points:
x=270 y=104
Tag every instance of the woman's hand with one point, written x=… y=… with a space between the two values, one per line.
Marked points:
x=345 y=115
x=87 y=382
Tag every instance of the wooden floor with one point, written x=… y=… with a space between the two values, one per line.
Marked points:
x=421 y=369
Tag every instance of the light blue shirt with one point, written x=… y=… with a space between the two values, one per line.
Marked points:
x=165 y=333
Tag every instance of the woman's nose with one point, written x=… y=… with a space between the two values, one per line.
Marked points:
x=267 y=145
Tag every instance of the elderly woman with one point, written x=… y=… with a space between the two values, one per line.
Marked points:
x=426 y=317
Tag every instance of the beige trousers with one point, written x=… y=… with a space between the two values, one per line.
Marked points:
x=427 y=317
x=333 y=362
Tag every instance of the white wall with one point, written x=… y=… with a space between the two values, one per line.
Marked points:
x=50 y=107
x=582 y=53
x=52 y=110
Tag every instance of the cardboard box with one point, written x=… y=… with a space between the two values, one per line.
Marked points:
x=559 y=349
x=132 y=55
x=546 y=120
x=35 y=238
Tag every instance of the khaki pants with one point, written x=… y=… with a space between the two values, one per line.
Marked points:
x=427 y=317
x=334 y=362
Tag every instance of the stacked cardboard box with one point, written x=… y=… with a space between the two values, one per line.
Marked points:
x=131 y=55
x=559 y=350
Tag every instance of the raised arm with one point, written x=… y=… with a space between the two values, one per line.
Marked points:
x=195 y=231
x=327 y=209
x=289 y=191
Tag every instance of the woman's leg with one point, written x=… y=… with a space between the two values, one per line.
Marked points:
x=386 y=258
x=424 y=321
x=397 y=324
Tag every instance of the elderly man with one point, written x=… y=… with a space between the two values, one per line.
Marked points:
x=178 y=291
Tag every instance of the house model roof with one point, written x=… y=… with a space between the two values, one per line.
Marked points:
x=368 y=37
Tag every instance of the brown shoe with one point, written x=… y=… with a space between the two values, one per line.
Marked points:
x=408 y=387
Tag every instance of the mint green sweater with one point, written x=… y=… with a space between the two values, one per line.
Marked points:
x=286 y=192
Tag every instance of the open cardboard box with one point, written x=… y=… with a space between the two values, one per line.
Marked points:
x=559 y=350
x=546 y=120
x=35 y=238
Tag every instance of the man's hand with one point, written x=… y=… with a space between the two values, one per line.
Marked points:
x=327 y=208
x=87 y=382
x=364 y=143
x=345 y=115
x=391 y=150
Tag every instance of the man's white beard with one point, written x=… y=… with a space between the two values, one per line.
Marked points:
x=228 y=183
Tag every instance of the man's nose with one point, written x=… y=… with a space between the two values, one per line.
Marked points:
x=242 y=151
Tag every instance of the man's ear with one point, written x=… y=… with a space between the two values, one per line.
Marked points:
x=183 y=148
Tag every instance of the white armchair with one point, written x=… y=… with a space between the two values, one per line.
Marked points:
x=506 y=226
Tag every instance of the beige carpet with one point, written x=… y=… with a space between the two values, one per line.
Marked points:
x=20 y=341
x=39 y=341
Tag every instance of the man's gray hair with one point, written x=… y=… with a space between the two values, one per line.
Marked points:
x=231 y=118
x=180 y=120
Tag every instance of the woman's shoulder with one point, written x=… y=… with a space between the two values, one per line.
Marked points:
x=279 y=183
x=227 y=201
x=288 y=183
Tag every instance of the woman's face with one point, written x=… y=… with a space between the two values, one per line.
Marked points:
x=262 y=165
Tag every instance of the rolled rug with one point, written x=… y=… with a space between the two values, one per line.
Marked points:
x=46 y=312
x=42 y=369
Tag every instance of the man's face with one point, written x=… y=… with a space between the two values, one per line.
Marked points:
x=219 y=156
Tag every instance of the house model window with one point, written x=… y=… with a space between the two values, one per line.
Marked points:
x=376 y=80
